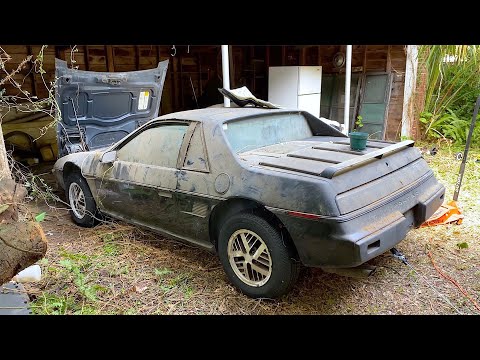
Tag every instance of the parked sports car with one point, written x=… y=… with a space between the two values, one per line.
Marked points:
x=266 y=189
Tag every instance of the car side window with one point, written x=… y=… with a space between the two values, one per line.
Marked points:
x=158 y=146
x=196 y=157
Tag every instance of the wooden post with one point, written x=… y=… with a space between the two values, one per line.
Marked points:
x=284 y=52
x=303 y=56
x=365 y=59
x=110 y=58
x=200 y=86
x=182 y=94
x=389 y=59
x=137 y=58
x=85 y=54
x=267 y=57
x=157 y=55
x=173 y=74
x=60 y=52
x=32 y=72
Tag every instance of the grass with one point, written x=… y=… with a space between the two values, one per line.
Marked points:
x=118 y=269
x=107 y=271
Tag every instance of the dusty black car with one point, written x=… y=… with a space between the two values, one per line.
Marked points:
x=267 y=189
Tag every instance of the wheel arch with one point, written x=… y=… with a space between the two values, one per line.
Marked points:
x=236 y=205
x=71 y=167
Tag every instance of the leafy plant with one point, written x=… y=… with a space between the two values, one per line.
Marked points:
x=162 y=272
x=51 y=304
x=40 y=217
x=452 y=86
x=358 y=123
x=111 y=249
x=450 y=126
x=462 y=245
x=84 y=287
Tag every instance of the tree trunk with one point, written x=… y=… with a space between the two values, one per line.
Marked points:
x=4 y=168
x=22 y=242
x=21 y=245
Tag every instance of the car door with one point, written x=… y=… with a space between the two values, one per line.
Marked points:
x=193 y=201
x=139 y=185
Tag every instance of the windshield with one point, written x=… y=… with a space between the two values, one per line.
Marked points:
x=254 y=133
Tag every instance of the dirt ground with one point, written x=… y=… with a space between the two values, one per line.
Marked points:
x=117 y=269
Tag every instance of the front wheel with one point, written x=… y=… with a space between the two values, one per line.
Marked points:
x=257 y=260
x=83 y=209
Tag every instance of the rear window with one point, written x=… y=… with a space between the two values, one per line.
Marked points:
x=250 y=134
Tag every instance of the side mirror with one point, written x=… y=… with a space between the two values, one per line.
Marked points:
x=109 y=157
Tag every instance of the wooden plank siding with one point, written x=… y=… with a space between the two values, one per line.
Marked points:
x=395 y=108
x=199 y=63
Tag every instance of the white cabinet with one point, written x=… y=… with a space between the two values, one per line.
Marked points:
x=297 y=87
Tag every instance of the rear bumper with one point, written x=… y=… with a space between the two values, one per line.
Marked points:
x=349 y=241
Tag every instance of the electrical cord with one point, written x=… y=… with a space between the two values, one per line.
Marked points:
x=398 y=255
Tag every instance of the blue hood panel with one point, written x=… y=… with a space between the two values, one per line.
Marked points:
x=100 y=108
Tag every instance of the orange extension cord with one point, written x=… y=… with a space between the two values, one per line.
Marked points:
x=452 y=281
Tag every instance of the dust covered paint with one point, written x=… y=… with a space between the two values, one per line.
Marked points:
x=184 y=166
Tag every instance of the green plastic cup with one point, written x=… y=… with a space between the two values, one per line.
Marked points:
x=358 y=140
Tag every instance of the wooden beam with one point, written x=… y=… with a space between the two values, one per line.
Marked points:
x=182 y=93
x=319 y=55
x=60 y=52
x=267 y=57
x=137 y=58
x=32 y=71
x=284 y=53
x=365 y=59
x=174 y=82
x=110 y=58
x=200 y=85
x=157 y=54
x=85 y=54
x=303 y=56
x=389 y=59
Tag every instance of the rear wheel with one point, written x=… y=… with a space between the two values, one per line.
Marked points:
x=83 y=209
x=257 y=260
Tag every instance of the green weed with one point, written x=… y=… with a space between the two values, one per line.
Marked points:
x=111 y=249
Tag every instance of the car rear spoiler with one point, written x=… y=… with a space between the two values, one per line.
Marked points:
x=348 y=165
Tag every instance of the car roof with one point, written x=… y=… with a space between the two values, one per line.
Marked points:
x=221 y=114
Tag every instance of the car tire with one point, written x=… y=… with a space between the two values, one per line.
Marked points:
x=83 y=208
x=269 y=272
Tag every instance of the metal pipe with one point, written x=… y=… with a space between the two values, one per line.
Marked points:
x=226 y=74
x=458 y=183
x=348 y=77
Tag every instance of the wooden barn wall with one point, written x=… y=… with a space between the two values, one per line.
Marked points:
x=365 y=58
x=195 y=62
x=198 y=63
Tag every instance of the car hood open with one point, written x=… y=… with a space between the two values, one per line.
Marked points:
x=100 y=108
